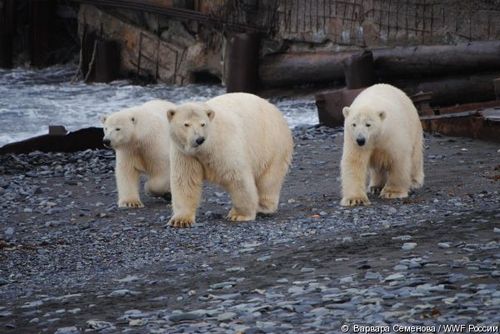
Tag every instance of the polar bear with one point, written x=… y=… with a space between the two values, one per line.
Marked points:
x=238 y=141
x=139 y=135
x=383 y=138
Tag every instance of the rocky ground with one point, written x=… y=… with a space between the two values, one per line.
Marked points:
x=71 y=261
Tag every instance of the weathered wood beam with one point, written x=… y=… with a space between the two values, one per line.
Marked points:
x=293 y=69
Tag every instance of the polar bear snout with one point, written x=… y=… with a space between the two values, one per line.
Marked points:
x=361 y=141
x=106 y=142
x=199 y=141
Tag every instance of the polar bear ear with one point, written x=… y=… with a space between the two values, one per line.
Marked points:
x=134 y=120
x=210 y=114
x=345 y=111
x=170 y=114
x=103 y=118
x=381 y=114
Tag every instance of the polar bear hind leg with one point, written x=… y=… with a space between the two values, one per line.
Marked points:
x=269 y=187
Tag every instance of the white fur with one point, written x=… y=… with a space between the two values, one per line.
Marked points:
x=247 y=150
x=392 y=154
x=142 y=146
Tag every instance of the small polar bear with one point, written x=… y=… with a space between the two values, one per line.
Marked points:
x=238 y=141
x=139 y=136
x=383 y=138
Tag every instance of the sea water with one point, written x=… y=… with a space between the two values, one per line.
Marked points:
x=31 y=100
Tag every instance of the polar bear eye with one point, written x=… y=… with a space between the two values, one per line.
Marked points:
x=117 y=129
x=186 y=125
x=368 y=125
x=353 y=125
x=202 y=124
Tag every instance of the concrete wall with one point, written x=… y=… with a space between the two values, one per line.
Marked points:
x=344 y=24
x=165 y=50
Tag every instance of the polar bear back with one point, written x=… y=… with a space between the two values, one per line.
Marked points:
x=252 y=124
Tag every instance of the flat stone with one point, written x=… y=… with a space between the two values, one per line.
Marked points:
x=186 y=316
x=395 y=277
x=227 y=316
x=409 y=246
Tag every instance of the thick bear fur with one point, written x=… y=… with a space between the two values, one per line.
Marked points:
x=238 y=141
x=139 y=135
x=383 y=138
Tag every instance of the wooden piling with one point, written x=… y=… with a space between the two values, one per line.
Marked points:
x=42 y=14
x=242 y=63
x=359 y=70
x=7 y=19
x=107 y=61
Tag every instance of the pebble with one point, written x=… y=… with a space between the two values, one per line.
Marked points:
x=409 y=246
x=67 y=330
x=444 y=245
x=122 y=293
x=314 y=272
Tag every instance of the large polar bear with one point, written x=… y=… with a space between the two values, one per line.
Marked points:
x=238 y=141
x=139 y=135
x=382 y=137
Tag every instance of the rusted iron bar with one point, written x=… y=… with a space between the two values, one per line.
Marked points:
x=152 y=6
x=479 y=124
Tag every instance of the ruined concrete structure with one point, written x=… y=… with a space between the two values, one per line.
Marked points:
x=182 y=50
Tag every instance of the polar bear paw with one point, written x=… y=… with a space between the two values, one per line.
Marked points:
x=375 y=189
x=236 y=216
x=355 y=200
x=389 y=193
x=181 y=221
x=133 y=203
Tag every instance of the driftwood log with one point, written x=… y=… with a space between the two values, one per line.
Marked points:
x=437 y=60
x=453 y=90
x=400 y=62
x=301 y=68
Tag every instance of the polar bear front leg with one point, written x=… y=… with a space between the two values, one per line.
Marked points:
x=354 y=168
x=243 y=192
x=398 y=179
x=127 y=182
x=186 y=181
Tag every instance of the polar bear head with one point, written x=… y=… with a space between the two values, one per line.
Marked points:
x=190 y=126
x=119 y=129
x=363 y=125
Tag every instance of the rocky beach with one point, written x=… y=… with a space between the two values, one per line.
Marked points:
x=72 y=262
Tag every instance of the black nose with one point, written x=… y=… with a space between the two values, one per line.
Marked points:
x=200 y=140
x=360 y=141
x=106 y=142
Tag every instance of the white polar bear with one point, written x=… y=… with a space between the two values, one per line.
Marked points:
x=382 y=137
x=238 y=141
x=139 y=135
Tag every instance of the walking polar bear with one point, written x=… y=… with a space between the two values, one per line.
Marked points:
x=382 y=138
x=139 y=135
x=238 y=141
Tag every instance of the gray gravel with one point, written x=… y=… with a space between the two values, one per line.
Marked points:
x=71 y=261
